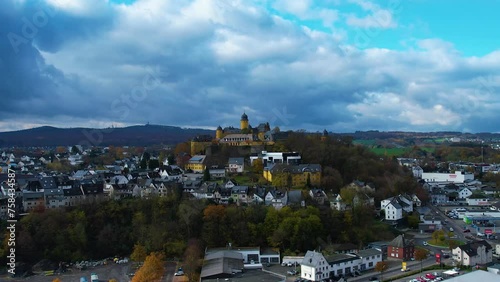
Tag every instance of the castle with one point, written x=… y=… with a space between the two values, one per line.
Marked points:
x=246 y=135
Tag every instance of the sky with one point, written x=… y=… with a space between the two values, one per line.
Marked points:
x=339 y=65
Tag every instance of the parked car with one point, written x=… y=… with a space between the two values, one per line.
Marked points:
x=291 y=272
x=179 y=272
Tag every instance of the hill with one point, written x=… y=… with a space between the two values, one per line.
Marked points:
x=139 y=135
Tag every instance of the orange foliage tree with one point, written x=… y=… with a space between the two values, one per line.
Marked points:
x=151 y=270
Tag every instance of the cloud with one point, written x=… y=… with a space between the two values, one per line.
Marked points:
x=204 y=62
x=376 y=18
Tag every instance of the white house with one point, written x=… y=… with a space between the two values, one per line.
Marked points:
x=236 y=165
x=395 y=206
x=474 y=253
x=314 y=267
x=464 y=193
x=417 y=171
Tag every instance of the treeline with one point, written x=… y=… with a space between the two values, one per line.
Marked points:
x=165 y=224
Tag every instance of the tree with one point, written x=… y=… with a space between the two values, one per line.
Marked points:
x=257 y=166
x=420 y=254
x=192 y=260
x=413 y=220
x=153 y=164
x=151 y=270
x=381 y=266
x=139 y=253
x=347 y=194
x=206 y=175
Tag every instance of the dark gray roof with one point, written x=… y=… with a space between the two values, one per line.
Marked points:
x=221 y=262
x=237 y=161
x=400 y=242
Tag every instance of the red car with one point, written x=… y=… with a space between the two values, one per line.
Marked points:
x=430 y=276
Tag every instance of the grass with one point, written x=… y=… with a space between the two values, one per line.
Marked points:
x=368 y=142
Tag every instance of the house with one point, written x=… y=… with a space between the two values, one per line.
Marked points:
x=314 y=267
x=230 y=184
x=417 y=171
x=217 y=172
x=439 y=196
x=240 y=194
x=395 y=206
x=276 y=198
x=430 y=223
x=337 y=203
x=318 y=195
x=401 y=248
x=171 y=172
x=464 y=193
x=369 y=258
x=196 y=164
x=54 y=198
x=343 y=264
x=33 y=200
x=473 y=253
x=259 y=195
x=222 y=195
x=236 y=165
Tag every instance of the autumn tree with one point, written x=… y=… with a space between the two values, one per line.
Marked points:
x=151 y=270
x=381 y=266
x=420 y=255
x=139 y=253
x=193 y=260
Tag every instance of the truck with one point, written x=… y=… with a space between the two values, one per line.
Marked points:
x=94 y=277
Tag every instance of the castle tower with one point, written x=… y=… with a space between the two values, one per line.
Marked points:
x=244 y=121
x=325 y=135
x=218 y=133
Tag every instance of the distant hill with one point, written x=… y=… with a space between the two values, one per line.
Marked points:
x=139 y=135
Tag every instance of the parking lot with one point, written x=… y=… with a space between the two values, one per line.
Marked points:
x=105 y=273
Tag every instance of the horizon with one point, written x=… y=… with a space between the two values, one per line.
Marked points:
x=214 y=128
x=339 y=65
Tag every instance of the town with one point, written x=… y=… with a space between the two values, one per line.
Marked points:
x=253 y=204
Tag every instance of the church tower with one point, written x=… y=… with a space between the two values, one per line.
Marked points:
x=244 y=121
x=218 y=133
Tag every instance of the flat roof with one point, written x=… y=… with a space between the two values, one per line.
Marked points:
x=477 y=275
x=249 y=276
